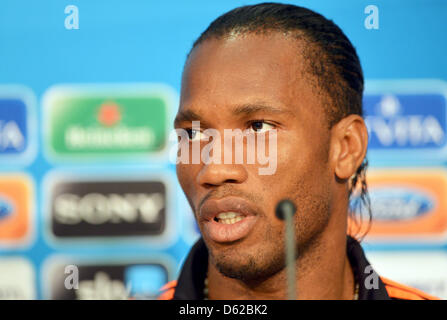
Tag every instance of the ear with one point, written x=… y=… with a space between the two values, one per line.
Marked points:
x=349 y=141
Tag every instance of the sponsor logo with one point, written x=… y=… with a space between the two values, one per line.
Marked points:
x=424 y=270
x=13 y=128
x=408 y=202
x=121 y=208
x=17 y=279
x=93 y=121
x=145 y=280
x=406 y=121
x=15 y=210
x=16 y=120
x=6 y=209
x=394 y=203
x=82 y=281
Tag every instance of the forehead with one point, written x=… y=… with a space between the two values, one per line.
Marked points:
x=246 y=69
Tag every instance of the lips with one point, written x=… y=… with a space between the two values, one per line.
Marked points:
x=223 y=232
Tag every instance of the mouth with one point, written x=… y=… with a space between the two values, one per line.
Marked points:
x=228 y=219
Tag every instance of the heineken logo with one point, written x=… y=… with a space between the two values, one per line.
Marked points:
x=109 y=132
x=109 y=114
x=85 y=122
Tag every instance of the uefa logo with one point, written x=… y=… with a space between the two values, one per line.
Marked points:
x=17 y=125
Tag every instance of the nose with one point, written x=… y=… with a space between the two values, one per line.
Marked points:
x=212 y=175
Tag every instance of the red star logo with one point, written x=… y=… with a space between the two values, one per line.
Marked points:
x=109 y=114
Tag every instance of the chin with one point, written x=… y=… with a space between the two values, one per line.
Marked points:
x=248 y=267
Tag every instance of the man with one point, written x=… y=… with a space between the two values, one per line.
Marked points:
x=282 y=68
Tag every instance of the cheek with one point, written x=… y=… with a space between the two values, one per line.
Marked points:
x=303 y=169
x=294 y=157
x=181 y=173
x=186 y=178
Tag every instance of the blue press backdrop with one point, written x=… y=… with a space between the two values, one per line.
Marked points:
x=147 y=41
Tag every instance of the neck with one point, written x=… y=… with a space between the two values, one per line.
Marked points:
x=323 y=272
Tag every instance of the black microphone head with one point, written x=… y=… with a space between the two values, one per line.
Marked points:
x=283 y=207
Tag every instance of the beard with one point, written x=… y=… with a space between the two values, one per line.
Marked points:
x=263 y=261
x=261 y=257
x=266 y=258
x=248 y=267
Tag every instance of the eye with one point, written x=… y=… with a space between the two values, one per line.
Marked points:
x=261 y=126
x=194 y=134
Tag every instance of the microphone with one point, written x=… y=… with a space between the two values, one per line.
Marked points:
x=285 y=210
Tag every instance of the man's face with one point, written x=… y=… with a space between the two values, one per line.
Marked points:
x=256 y=82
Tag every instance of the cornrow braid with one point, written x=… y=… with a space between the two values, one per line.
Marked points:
x=359 y=202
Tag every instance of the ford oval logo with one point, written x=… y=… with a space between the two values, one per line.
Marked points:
x=399 y=203
x=6 y=209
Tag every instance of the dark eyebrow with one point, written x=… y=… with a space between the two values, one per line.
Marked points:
x=244 y=110
x=187 y=116
x=250 y=109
